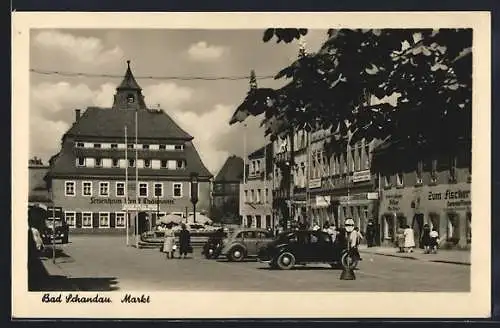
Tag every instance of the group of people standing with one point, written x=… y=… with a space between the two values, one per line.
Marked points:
x=406 y=240
x=169 y=246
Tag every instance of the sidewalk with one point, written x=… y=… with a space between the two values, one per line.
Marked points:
x=443 y=256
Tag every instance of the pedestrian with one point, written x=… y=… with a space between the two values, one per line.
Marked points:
x=168 y=243
x=409 y=239
x=184 y=241
x=316 y=226
x=355 y=238
x=434 y=240
x=425 y=240
x=370 y=233
x=400 y=239
x=331 y=230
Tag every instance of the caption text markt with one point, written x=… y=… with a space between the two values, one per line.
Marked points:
x=76 y=298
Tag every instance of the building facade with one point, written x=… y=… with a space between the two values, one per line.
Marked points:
x=99 y=152
x=256 y=191
x=431 y=185
x=226 y=191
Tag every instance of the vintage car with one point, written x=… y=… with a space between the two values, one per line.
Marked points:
x=213 y=247
x=57 y=229
x=303 y=247
x=245 y=242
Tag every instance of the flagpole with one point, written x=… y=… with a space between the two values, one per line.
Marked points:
x=244 y=153
x=136 y=146
x=126 y=186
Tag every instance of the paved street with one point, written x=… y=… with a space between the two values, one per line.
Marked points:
x=105 y=263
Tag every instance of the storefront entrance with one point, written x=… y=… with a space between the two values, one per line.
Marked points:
x=418 y=227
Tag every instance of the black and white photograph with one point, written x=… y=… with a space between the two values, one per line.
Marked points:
x=249 y=162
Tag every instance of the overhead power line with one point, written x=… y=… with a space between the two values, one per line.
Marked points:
x=183 y=78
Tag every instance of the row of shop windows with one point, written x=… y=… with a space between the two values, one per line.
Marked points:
x=87 y=222
x=452 y=232
x=98 y=162
x=258 y=222
x=360 y=215
x=80 y=144
x=104 y=189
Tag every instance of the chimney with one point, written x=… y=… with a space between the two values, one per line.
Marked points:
x=77 y=114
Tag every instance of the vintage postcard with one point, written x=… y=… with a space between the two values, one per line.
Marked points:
x=251 y=165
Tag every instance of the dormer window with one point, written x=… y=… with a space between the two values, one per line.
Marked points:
x=179 y=147
x=147 y=163
x=162 y=147
x=145 y=146
x=130 y=146
x=98 y=162
x=130 y=98
x=80 y=145
x=97 y=145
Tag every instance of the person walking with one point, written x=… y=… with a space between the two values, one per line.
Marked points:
x=184 y=241
x=425 y=240
x=434 y=240
x=168 y=243
x=370 y=234
x=409 y=239
x=400 y=240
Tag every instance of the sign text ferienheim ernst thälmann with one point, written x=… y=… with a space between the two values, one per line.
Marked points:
x=94 y=200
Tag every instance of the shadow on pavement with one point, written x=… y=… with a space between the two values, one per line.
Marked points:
x=304 y=268
x=59 y=253
x=40 y=280
x=247 y=260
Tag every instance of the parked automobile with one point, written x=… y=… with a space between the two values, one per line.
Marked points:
x=213 y=247
x=303 y=247
x=245 y=242
x=59 y=232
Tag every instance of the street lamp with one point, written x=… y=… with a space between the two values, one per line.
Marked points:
x=194 y=193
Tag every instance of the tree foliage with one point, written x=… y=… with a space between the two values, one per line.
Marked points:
x=423 y=78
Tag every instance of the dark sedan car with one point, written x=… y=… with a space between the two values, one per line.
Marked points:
x=303 y=247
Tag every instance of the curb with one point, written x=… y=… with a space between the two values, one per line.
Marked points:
x=416 y=258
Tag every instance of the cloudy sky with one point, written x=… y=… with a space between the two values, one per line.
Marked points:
x=202 y=108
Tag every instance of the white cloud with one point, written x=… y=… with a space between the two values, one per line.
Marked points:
x=85 y=49
x=168 y=95
x=206 y=128
x=201 y=51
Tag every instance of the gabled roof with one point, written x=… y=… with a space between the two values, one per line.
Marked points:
x=110 y=123
x=129 y=82
x=231 y=171
x=259 y=153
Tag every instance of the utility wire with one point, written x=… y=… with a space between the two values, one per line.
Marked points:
x=183 y=78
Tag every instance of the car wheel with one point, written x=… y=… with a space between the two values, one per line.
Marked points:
x=348 y=261
x=285 y=261
x=236 y=254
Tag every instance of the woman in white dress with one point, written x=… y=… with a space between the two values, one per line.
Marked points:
x=409 y=239
x=169 y=243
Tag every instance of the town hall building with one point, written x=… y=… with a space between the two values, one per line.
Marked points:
x=88 y=175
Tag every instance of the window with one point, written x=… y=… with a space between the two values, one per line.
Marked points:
x=70 y=218
x=387 y=180
x=98 y=162
x=179 y=147
x=87 y=188
x=367 y=156
x=120 y=189
x=130 y=146
x=268 y=224
x=120 y=220
x=360 y=158
x=80 y=161
x=258 y=197
x=87 y=219
x=131 y=163
x=143 y=189
x=69 y=188
x=258 y=221
x=246 y=196
x=353 y=160
x=177 y=190
x=180 y=164
x=453 y=169
x=434 y=171
x=252 y=193
x=130 y=98
x=158 y=189
x=145 y=146
x=114 y=146
x=162 y=147
x=103 y=188
x=420 y=169
x=400 y=179
x=115 y=162
x=266 y=200
x=97 y=145
x=147 y=163
x=80 y=145
x=164 y=164
x=103 y=220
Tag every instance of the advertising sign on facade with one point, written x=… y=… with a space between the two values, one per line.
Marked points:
x=314 y=183
x=372 y=195
x=361 y=176
x=139 y=207
x=323 y=200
